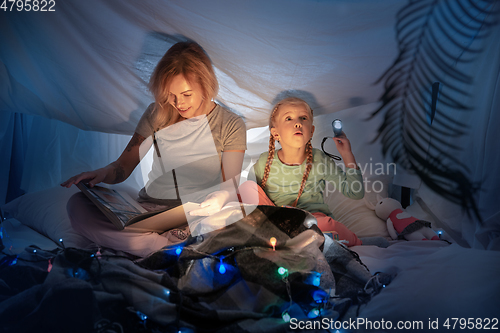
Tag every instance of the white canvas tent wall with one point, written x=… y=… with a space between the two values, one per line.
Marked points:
x=73 y=81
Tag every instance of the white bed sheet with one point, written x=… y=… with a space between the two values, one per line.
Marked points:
x=434 y=281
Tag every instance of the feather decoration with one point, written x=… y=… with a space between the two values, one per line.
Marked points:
x=437 y=40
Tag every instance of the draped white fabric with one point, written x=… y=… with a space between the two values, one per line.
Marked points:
x=79 y=76
x=86 y=63
x=479 y=151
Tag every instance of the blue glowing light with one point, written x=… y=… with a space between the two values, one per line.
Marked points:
x=222 y=267
x=440 y=232
x=282 y=271
x=316 y=280
x=320 y=296
x=141 y=315
x=383 y=286
x=79 y=273
x=8 y=260
x=313 y=313
x=60 y=240
x=178 y=250
x=286 y=317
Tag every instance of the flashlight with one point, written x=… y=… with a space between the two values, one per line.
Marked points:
x=337 y=127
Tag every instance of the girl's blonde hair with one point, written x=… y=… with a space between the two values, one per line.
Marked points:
x=189 y=60
x=270 y=156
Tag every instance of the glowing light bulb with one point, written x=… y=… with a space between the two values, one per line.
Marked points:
x=316 y=280
x=141 y=315
x=286 y=317
x=313 y=313
x=222 y=268
x=320 y=296
x=8 y=260
x=282 y=271
x=273 y=243
x=178 y=250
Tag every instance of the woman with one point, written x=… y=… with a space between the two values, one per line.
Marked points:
x=192 y=135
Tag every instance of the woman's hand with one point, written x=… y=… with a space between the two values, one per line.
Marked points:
x=120 y=169
x=90 y=177
x=213 y=204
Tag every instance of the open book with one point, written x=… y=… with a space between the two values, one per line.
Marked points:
x=126 y=213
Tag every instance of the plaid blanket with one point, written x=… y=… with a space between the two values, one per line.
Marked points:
x=183 y=287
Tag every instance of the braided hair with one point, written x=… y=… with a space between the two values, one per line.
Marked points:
x=272 y=148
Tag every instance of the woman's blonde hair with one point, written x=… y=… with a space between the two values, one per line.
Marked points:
x=270 y=156
x=189 y=60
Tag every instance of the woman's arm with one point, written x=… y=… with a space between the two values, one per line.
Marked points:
x=117 y=171
x=232 y=162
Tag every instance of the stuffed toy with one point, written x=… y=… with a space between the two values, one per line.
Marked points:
x=400 y=224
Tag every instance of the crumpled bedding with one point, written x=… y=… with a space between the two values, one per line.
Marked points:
x=182 y=288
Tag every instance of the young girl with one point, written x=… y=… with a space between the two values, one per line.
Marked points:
x=192 y=135
x=295 y=175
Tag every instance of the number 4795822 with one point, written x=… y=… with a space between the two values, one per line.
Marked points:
x=471 y=323
x=28 y=5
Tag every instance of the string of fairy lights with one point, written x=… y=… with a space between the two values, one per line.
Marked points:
x=320 y=297
x=221 y=267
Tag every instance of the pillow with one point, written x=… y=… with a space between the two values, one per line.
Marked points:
x=354 y=214
x=45 y=212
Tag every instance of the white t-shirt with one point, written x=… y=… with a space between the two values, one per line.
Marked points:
x=193 y=149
